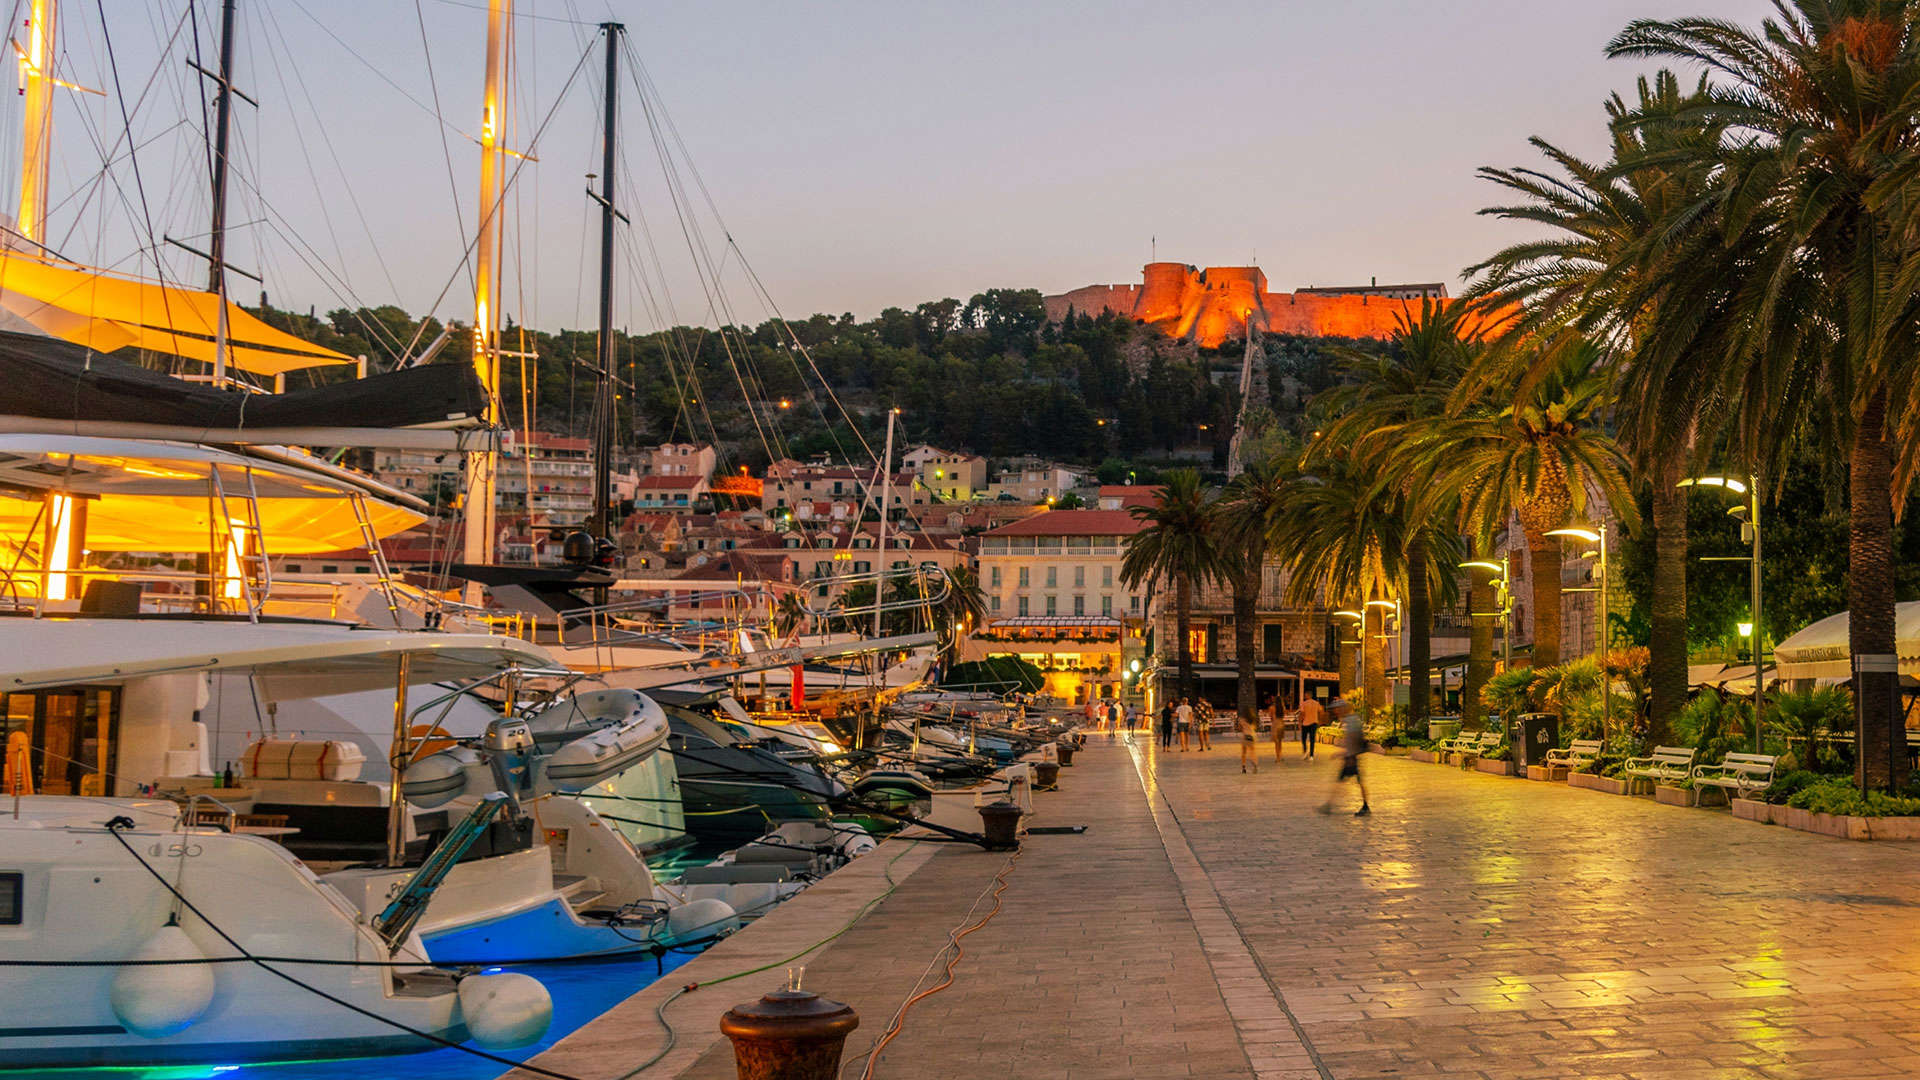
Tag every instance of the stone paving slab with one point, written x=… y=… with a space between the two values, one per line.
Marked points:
x=1211 y=924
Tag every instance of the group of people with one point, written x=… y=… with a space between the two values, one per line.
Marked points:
x=1190 y=720
x=1109 y=715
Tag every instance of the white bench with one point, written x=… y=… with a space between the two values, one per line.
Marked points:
x=1665 y=763
x=1736 y=774
x=1577 y=753
x=1472 y=746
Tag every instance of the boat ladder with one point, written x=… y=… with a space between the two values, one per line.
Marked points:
x=397 y=920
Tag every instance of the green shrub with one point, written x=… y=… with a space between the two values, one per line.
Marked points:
x=1510 y=692
x=1836 y=795
x=1786 y=785
x=1503 y=752
x=1714 y=725
x=1804 y=721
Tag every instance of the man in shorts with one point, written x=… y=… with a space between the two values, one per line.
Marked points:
x=1353 y=743
x=1183 y=722
x=1249 y=729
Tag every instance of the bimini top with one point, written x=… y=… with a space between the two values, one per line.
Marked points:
x=160 y=496
x=291 y=658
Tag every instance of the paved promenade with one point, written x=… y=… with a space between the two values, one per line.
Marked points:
x=1210 y=924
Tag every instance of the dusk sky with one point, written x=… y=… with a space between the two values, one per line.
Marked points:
x=863 y=155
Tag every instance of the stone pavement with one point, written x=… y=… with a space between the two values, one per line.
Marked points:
x=1210 y=924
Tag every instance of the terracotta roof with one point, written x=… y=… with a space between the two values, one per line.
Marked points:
x=672 y=483
x=1074 y=523
x=1131 y=495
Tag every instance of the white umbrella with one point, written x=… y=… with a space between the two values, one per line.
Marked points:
x=1820 y=651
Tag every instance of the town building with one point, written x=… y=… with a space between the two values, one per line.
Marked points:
x=679 y=459
x=1034 y=482
x=788 y=483
x=680 y=493
x=947 y=475
x=1056 y=599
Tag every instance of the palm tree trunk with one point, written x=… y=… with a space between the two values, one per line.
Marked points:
x=1183 y=617
x=1667 y=661
x=1246 y=602
x=1419 y=634
x=1543 y=572
x=1880 y=737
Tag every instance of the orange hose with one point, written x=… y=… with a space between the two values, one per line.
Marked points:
x=953 y=939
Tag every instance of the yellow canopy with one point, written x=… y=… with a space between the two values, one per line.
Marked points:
x=161 y=497
x=106 y=312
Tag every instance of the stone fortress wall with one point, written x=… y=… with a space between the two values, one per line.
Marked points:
x=1216 y=304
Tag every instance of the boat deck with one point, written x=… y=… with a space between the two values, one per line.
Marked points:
x=1209 y=924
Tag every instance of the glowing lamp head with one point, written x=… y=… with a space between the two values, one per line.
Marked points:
x=1746 y=629
x=1578 y=533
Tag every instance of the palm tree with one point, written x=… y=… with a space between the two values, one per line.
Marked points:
x=955 y=614
x=1340 y=529
x=1818 y=203
x=1178 y=546
x=1245 y=518
x=1613 y=226
x=1535 y=458
x=1412 y=381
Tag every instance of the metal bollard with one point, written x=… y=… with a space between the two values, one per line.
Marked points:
x=1046 y=775
x=1000 y=822
x=1066 y=753
x=790 y=1034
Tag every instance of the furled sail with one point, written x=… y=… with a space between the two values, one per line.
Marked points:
x=106 y=311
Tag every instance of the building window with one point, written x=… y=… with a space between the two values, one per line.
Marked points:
x=1079 y=577
x=862 y=567
x=1106 y=577
x=1106 y=604
x=1133 y=603
x=1052 y=606
x=1197 y=643
x=1025 y=574
x=995 y=573
x=1023 y=605
x=1053 y=576
x=993 y=604
x=1079 y=604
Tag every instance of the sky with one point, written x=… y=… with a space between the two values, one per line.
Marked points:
x=860 y=155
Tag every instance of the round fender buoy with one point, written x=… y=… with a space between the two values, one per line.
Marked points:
x=157 y=1000
x=701 y=919
x=505 y=1011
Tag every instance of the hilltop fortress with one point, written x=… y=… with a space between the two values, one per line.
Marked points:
x=1213 y=305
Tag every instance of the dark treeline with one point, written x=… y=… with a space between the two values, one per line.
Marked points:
x=989 y=375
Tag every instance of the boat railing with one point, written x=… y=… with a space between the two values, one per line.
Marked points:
x=920 y=576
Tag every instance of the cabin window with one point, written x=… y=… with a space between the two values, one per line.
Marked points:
x=13 y=889
x=73 y=734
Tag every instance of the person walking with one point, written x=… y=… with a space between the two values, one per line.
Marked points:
x=1166 y=724
x=1183 y=722
x=1249 y=731
x=1133 y=718
x=1353 y=743
x=1203 y=723
x=1311 y=717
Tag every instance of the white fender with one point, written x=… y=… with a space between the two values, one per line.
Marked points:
x=505 y=1011
x=157 y=1000
x=701 y=919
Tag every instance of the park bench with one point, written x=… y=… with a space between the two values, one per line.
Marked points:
x=1739 y=774
x=1576 y=754
x=1671 y=763
x=1480 y=742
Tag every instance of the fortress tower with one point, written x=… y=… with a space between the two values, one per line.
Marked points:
x=1212 y=306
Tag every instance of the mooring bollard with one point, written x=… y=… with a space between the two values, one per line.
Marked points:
x=790 y=1034
x=1000 y=823
x=1066 y=754
x=1046 y=774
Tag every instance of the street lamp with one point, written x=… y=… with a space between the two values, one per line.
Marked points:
x=1503 y=596
x=1749 y=510
x=1390 y=659
x=1596 y=536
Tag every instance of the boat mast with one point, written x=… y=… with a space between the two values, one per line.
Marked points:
x=217 y=242
x=604 y=411
x=481 y=467
x=886 y=498
x=37 y=83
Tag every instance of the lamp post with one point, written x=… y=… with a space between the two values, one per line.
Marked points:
x=1503 y=596
x=1596 y=535
x=1387 y=657
x=1749 y=510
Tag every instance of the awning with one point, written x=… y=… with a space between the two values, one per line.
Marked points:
x=156 y=497
x=292 y=659
x=1067 y=622
x=1821 y=650
x=105 y=312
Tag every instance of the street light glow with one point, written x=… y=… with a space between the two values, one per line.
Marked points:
x=1577 y=532
x=1483 y=564
x=1746 y=629
x=1349 y=615
x=1727 y=482
x=1383 y=603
